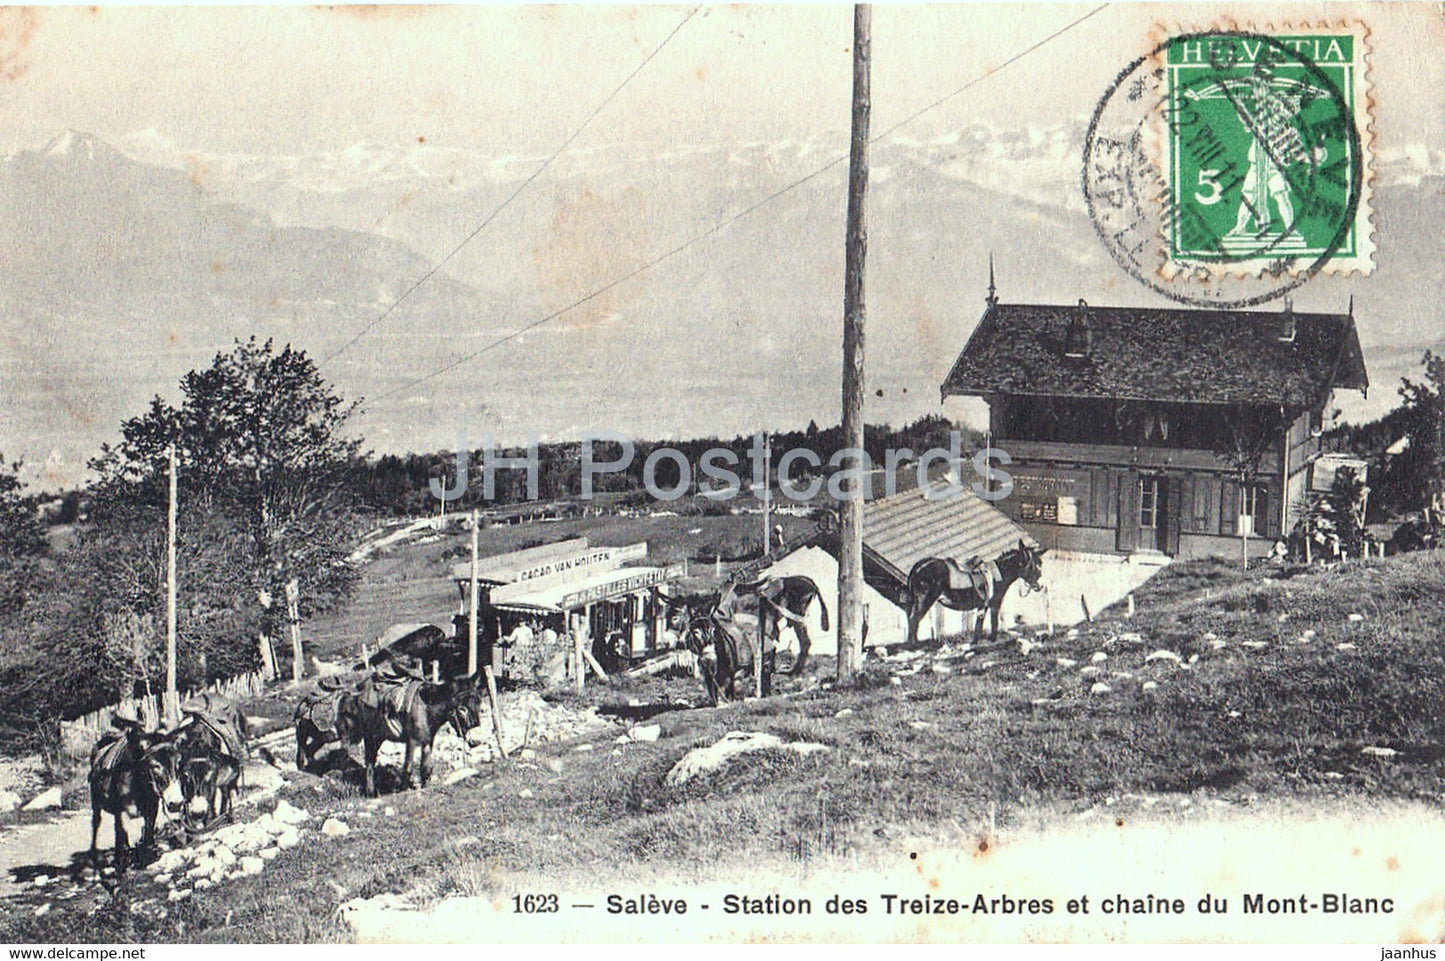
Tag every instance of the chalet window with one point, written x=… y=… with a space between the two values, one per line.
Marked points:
x=1148 y=502
x=1254 y=504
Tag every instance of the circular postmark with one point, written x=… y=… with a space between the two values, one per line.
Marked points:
x=1225 y=169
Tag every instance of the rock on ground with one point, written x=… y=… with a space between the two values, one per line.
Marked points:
x=701 y=760
x=45 y=800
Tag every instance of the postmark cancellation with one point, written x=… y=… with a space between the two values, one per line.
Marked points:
x=1231 y=165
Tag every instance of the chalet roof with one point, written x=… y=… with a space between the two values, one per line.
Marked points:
x=1150 y=353
x=902 y=530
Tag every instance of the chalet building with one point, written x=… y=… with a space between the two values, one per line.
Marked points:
x=1148 y=429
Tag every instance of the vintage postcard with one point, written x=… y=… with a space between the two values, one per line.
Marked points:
x=797 y=474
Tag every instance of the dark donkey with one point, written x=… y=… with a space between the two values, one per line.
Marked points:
x=131 y=773
x=787 y=599
x=212 y=745
x=734 y=639
x=412 y=713
x=969 y=587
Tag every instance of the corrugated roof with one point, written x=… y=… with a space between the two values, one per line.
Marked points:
x=901 y=530
x=1152 y=353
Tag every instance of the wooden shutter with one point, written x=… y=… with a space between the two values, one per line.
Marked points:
x=1202 y=488
x=1228 y=507
x=1174 y=508
x=1267 y=521
x=1127 y=538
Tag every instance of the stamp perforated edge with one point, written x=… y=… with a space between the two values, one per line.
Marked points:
x=1156 y=141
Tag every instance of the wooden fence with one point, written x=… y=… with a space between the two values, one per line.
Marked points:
x=77 y=737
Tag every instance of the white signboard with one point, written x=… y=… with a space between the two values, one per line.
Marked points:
x=1068 y=510
x=564 y=570
x=504 y=567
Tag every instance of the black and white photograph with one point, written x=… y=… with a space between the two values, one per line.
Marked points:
x=800 y=474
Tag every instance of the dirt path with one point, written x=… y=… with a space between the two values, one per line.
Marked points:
x=54 y=853
x=44 y=848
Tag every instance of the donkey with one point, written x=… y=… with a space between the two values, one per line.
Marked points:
x=788 y=599
x=411 y=713
x=134 y=773
x=980 y=584
x=726 y=648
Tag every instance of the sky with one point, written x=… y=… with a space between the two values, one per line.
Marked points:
x=413 y=122
x=302 y=80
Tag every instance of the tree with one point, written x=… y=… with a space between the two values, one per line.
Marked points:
x=1332 y=523
x=1417 y=474
x=1249 y=434
x=22 y=538
x=264 y=484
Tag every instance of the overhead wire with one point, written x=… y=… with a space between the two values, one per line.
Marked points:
x=727 y=221
x=436 y=268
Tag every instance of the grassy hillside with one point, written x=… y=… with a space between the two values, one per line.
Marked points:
x=1296 y=685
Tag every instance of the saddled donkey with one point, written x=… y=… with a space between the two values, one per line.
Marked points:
x=208 y=768
x=315 y=716
x=727 y=644
x=412 y=713
x=212 y=740
x=972 y=586
x=136 y=774
x=787 y=599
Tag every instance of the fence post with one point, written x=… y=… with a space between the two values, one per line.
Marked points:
x=496 y=711
x=268 y=659
x=293 y=614
x=577 y=658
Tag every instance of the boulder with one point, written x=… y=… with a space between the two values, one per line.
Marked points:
x=9 y=801
x=645 y=732
x=285 y=813
x=334 y=828
x=701 y=760
x=45 y=800
x=460 y=774
x=169 y=862
x=1100 y=688
x=1163 y=655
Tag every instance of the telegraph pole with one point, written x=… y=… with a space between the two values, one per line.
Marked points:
x=472 y=598
x=171 y=697
x=767 y=494
x=850 y=555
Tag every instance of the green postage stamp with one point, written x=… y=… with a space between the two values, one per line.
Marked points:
x=1267 y=151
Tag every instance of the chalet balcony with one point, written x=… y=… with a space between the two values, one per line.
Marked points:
x=1109 y=455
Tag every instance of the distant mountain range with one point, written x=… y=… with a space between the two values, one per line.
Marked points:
x=120 y=275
